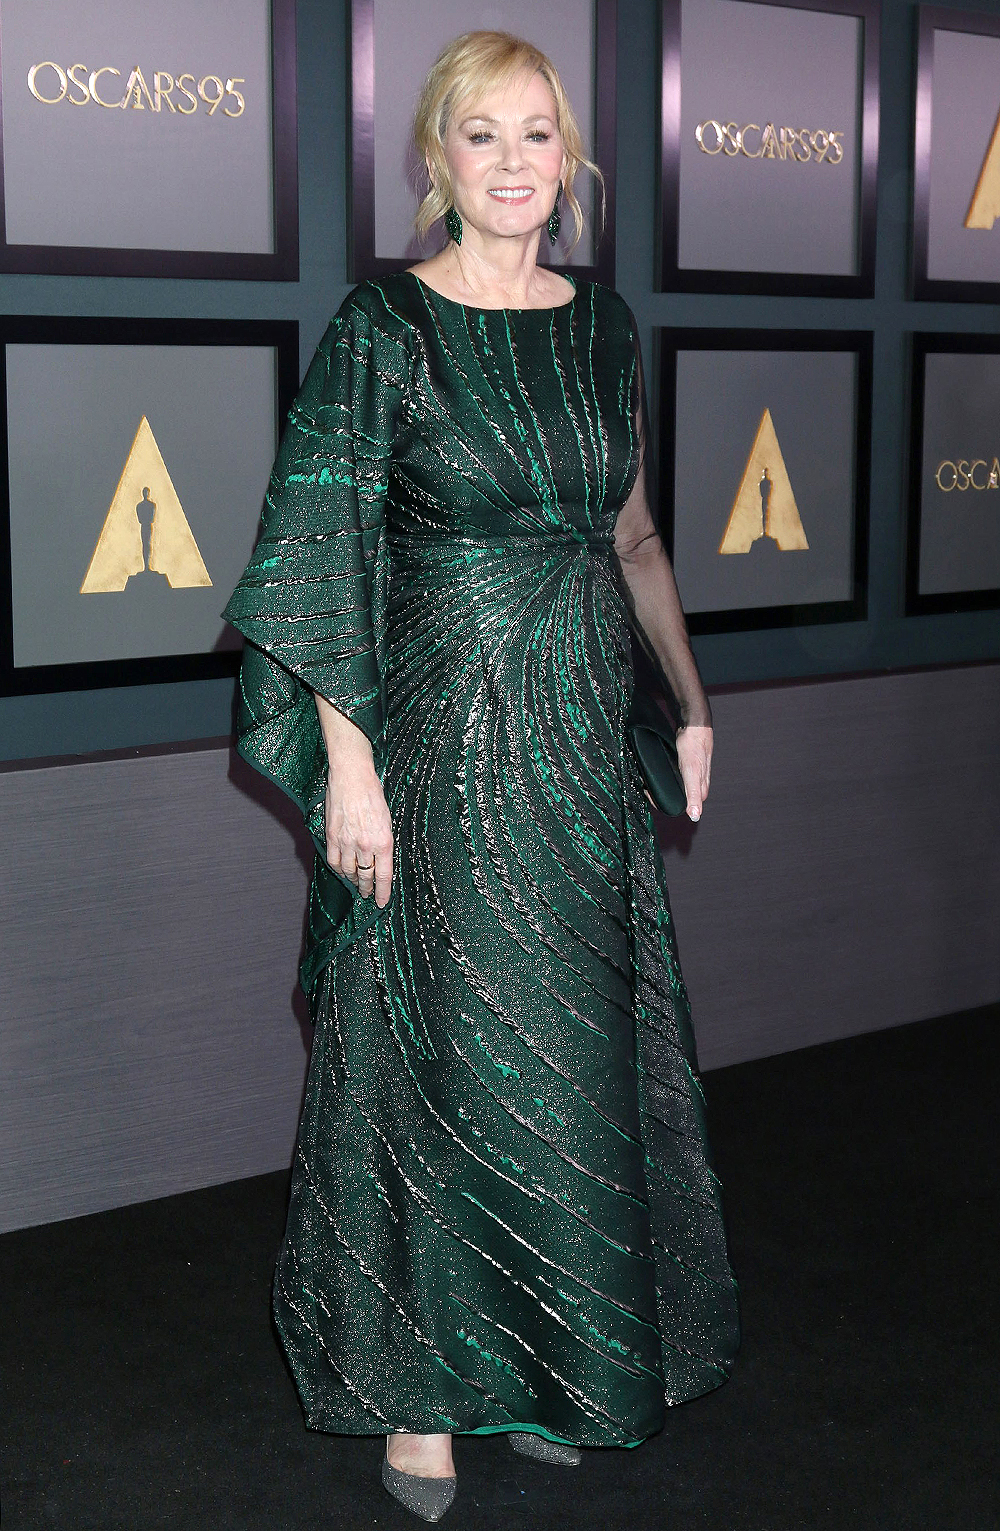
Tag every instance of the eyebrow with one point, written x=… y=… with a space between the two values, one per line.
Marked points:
x=494 y=121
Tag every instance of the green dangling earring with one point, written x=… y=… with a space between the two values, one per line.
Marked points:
x=555 y=217
x=453 y=223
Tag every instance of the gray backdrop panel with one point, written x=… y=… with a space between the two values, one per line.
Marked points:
x=130 y=179
x=721 y=396
x=965 y=101
x=960 y=529
x=153 y=913
x=407 y=40
x=72 y=413
x=763 y=63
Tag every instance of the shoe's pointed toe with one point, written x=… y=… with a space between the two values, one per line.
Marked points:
x=427 y=1498
x=543 y=1450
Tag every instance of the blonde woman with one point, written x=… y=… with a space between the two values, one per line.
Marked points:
x=503 y=1215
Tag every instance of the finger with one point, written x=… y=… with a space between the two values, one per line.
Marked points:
x=383 y=879
x=694 y=791
x=364 y=863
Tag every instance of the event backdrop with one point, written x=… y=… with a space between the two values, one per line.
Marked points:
x=182 y=1069
x=956 y=248
x=955 y=521
x=167 y=129
x=136 y=472
x=765 y=514
x=769 y=143
x=754 y=627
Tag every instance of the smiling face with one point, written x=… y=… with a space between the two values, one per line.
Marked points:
x=506 y=158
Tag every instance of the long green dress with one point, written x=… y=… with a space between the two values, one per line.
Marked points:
x=503 y=1212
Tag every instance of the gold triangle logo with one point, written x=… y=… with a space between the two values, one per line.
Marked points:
x=127 y=546
x=984 y=209
x=764 y=505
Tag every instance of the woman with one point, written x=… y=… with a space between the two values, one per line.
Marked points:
x=502 y=1213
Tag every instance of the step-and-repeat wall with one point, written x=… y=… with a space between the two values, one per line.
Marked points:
x=160 y=143
x=802 y=206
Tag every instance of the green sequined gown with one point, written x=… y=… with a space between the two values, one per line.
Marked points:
x=503 y=1212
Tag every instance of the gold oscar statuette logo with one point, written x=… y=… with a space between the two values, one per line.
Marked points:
x=764 y=505
x=145 y=528
x=984 y=209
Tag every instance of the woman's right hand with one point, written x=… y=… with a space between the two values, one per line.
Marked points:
x=359 y=838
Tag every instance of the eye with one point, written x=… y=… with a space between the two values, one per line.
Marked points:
x=539 y=136
x=480 y=136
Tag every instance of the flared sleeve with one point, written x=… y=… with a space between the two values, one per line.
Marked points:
x=311 y=602
x=657 y=618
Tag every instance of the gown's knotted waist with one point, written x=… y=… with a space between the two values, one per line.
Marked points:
x=511 y=541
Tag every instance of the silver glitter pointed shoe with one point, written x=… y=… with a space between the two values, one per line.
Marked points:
x=426 y=1497
x=544 y=1450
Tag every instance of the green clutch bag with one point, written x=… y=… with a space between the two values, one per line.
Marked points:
x=655 y=742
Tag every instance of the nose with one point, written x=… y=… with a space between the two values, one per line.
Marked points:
x=511 y=152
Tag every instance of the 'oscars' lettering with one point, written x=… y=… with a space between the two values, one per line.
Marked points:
x=963 y=475
x=768 y=142
x=94 y=94
x=51 y=84
x=33 y=86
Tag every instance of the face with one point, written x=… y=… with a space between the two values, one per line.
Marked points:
x=506 y=158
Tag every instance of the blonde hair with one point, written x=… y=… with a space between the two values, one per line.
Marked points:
x=467 y=70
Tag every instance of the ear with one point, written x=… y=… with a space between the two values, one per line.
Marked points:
x=430 y=170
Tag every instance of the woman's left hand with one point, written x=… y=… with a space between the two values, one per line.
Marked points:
x=694 y=756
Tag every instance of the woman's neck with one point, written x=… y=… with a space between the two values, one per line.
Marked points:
x=499 y=273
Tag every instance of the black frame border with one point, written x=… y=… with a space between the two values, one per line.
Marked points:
x=917 y=604
x=925 y=289
x=670 y=340
x=280 y=334
x=676 y=278
x=282 y=265
x=361 y=201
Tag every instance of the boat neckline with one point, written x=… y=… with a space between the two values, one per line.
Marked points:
x=472 y=309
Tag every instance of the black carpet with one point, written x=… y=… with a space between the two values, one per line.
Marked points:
x=144 y=1388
